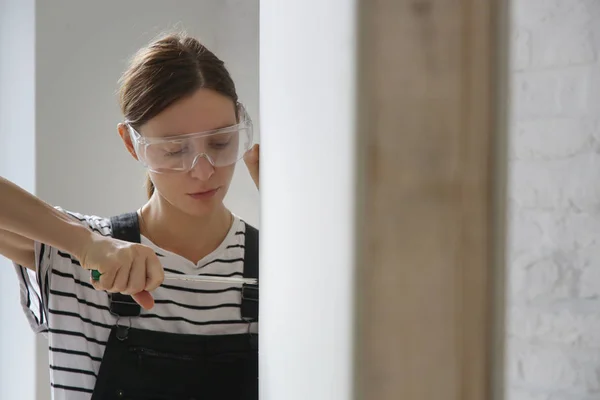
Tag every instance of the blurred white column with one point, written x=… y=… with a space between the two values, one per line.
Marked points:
x=307 y=92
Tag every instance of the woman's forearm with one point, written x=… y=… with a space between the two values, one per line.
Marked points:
x=26 y=215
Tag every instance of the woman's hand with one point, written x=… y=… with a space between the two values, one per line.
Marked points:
x=128 y=268
x=251 y=158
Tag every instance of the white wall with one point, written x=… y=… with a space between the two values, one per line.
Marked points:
x=237 y=42
x=307 y=91
x=81 y=49
x=554 y=255
x=17 y=163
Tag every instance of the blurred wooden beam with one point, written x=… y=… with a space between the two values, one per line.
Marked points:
x=431 y=210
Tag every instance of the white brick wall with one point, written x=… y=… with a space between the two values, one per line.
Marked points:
x=554 y=246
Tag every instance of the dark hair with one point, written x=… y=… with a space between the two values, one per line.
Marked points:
x=168 y=69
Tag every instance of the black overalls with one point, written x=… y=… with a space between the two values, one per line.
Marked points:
x=149 y=365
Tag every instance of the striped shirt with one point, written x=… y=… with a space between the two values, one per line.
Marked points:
x=60 y=302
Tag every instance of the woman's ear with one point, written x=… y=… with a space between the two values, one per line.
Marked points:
x=124 y=133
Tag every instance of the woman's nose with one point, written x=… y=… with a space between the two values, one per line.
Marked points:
x=202 y=168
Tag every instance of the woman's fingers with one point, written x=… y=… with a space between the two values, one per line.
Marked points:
x=121 y=279
x=155 y=274
x=137 y=276
x=128 y=268
x=251 y=158
x=144 y=299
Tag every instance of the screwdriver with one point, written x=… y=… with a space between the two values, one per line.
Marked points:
x=197 y=278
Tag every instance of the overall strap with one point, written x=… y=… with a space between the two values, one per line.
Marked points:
x=125 y=227
x=250 y=292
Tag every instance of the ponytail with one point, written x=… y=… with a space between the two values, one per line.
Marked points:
x=149 y=187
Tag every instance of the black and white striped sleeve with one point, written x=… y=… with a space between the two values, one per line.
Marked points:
x=34 y=287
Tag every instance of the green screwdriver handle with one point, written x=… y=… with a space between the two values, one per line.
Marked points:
x=96 y=275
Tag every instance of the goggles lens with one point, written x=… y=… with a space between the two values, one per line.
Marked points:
x=221 y=147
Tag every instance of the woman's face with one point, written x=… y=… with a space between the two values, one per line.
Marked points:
x=199 y=191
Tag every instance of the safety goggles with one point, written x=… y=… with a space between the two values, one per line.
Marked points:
x=220 y=147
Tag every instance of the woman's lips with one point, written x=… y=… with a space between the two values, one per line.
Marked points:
x=204 y=195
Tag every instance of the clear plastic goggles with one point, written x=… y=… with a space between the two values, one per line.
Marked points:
x=220 y=147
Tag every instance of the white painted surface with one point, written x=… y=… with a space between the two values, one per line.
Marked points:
x=307 y=91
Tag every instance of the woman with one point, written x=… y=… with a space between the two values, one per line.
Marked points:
x=184 y=123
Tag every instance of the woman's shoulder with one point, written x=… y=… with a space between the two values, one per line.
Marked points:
x=103 y=225
x=244 y=223
x=94 y=222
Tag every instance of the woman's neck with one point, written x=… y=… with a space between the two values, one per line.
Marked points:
x=191 y=237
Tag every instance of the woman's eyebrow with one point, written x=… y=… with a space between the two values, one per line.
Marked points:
x=173 y=135
x=225 y=126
